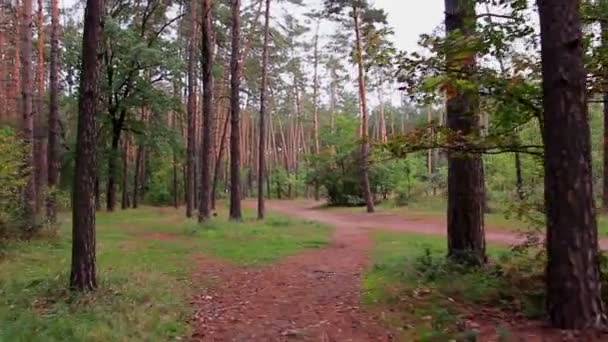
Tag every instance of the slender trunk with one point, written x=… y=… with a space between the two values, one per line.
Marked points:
x=54 y=152
x=97 y=194
x=262 y=130
x=574 y=294
x=112 y=158
x=82 y=275
x=604 y=28
x=124 y=204
x=208 y=111
x=332 y=100
x=137 y=176
x=191 y=145
x=519 y=178
x=218 y=162
x=17 y=58
x=315 y=118
x=367 y=192
x=27 y=114
x=235 y=153
x=381 y=117
x=466 y=236
x=4 y=111
x=40 y=127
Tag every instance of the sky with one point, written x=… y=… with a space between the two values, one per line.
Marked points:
x=411 y=18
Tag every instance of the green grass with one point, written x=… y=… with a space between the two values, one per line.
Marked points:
x=424 y=296
x=145 y=259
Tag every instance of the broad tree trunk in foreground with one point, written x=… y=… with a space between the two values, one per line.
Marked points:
x=27 y=115
x=82 y=275
x=466 y=236
x=204 y=209
x=367 y=192
x=262 y=127
x=574 y=298
x=53 y=158
x=235 y=139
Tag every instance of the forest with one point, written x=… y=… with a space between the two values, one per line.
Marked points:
x=277 y=170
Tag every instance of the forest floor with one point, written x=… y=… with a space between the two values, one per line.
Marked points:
x=321 y=295
x=303 y=274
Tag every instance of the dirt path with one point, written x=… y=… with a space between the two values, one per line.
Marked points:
x=313 y=296
x=391 y=222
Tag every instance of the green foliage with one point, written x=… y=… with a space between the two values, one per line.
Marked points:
x=145 y=263
x=12 y=180
x=431 y=295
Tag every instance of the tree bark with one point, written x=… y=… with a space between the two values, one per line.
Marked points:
x=4 y=110
x=124 y=203
x=574 y=295
x=27 y=115
x=82 y=275
x=191 y=135
x=235 y=153
x=218 y=161
x=54 y=152
x=262 y=124
x=40 y=143
x=17 y=58
x=315 y=96
x=519 y=178
x=367 y=192
x=112 y=158
x=204 y=211
x=466 y=236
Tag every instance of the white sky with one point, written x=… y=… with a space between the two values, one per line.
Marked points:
x=411 y=18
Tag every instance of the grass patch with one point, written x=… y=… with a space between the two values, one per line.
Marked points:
x=144 y=274
x=428 y=298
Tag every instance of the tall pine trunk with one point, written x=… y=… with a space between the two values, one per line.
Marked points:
x=218 y=161
x=315 y=96
x=40 y=143
x=574 y=295
x=208 y=111
x=235 y=139
x=82 y=275
x=15 y=94
x=112 y=167
x=124 y=203
x=262 y=127
x=364 y=134
x=54 y=152
x=27 y=115
x=191 y=109
x=466 y=236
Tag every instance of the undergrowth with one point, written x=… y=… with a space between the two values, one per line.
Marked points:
x=427 y=297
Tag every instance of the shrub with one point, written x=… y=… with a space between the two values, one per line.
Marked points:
x=12 y=180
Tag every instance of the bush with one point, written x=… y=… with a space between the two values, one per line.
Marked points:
x=12 y=154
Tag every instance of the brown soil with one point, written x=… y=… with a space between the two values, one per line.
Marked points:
x=315 y=295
